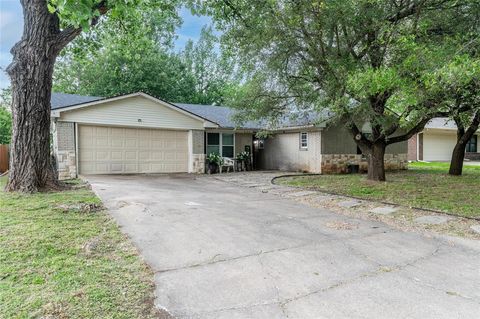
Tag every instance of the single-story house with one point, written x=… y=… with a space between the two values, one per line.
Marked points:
x=437 y=141
x=138 y=133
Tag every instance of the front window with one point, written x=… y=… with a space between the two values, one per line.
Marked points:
x=304 y=140
x=213 y=143
x=472 y=145
x=221 y=144
x=227 y=145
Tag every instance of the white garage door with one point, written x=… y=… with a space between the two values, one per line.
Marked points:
x=117 y=150
x=438 y=146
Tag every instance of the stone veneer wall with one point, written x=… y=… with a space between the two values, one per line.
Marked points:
x=64 y=149
x=338 y=163
x=198 y=163
x=198 y=145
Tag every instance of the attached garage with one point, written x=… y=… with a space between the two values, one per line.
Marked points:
x=134 y=133
x=438 y=146
x=120 y=150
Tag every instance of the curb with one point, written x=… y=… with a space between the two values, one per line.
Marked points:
x=369 y=200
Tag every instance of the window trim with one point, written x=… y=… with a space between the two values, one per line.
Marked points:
x=220 y=145
x=301 y=142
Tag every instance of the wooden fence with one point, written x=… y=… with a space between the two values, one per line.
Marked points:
x=4 y=158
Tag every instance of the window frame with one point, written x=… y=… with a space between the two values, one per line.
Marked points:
x=472 y=144
x=301 y=141
x=220 y=141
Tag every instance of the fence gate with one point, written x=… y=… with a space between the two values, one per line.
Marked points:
x=3 y=158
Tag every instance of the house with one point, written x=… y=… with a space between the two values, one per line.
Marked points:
x=323 y=148
x=138 y=133
x=437 y=141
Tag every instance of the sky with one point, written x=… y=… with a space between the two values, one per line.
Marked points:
x=11 y=27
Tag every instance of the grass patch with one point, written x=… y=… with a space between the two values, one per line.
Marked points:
x=423 y=185
x=61 y=263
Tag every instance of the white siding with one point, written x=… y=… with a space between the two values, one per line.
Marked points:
x=438 y=146
x=283 y=152
x=128 y=112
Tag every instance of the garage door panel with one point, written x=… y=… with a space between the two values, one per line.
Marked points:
x=119 y=132
x=117 y=155
x=438 y=146
x=144 y=142
x=111 y=150
x=157 y=144
x=116 y=167
x=131 y=155
x=144 y=155
x=131 y=168
x=86 y=155
x=117 y=141
x=101 y=141
x=102 y=156
x=130 y=142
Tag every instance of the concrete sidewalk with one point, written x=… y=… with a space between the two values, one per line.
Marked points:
x=224 y=251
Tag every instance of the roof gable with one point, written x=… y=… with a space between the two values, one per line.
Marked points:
x=59 y=110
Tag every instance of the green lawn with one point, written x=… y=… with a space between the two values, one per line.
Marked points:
x=425 y=185
x=64 y=263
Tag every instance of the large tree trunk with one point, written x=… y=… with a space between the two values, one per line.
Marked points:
x=458 y=155
x=376 y=162
x=31 y=80
x=463 y=136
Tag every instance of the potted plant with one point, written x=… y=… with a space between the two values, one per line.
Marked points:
x=243 y=158
x=214 y=161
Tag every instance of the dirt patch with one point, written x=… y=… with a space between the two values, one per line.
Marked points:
x=80 y=208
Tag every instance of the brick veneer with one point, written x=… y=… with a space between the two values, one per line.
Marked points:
x=412 y=148
x=472 y=156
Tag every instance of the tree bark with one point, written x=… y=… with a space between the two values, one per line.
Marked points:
x=458 y=155
x=376 y=162
x=31 y=79
x=463 y=136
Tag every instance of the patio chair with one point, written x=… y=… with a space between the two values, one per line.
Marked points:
x=228 y=163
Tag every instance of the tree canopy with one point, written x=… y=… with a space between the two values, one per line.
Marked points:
x=136 y=54
x=366 y=61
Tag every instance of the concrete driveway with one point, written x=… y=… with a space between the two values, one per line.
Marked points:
x=223 y=251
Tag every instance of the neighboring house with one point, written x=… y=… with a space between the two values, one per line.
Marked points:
x=437 y=140
x=138 y=133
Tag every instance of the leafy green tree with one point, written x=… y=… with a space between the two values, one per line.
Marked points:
x=364 y=60
x=114 y=60
x=5 y=116
x=124 y=56
x=460 y=93
x=49 y=26
x=213 y=70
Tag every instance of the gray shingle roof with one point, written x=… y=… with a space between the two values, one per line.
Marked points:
x=441 y=123
x=221 y=115
x=60 y=100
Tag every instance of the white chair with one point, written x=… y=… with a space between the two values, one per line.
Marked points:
x=228 y=163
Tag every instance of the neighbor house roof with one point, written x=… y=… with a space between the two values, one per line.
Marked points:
x=441 y=123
